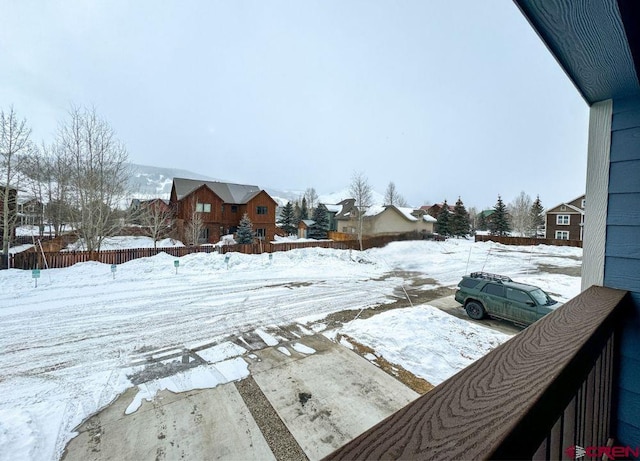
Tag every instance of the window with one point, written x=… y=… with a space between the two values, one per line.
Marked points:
x=494 y=289
x=203 y=208
x=562 y=235
x=469 y=283
x=262 y=210
x=234 y=208
x=562 y=219
x=518 y=296
x=261 y=233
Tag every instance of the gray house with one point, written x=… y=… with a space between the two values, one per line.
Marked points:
x=568 y=386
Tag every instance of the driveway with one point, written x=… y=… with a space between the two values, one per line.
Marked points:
x=302 y=400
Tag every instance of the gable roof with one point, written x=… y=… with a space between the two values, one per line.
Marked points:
x=228 y=192
x=568 y=205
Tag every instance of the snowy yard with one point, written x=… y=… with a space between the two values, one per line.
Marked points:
x=71 y=345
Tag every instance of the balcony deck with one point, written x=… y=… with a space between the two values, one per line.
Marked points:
x=548 y=388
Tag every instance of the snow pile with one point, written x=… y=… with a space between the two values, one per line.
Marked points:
x=424 y=340
x=120 y=243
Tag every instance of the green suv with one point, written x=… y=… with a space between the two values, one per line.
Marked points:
x=498 y=296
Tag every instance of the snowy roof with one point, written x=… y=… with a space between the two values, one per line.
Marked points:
x=333 y=208
x=407 y=213
x=374 y=210
x=228 y=192
x=429 y=218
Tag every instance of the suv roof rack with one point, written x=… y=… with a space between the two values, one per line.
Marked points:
x=489 y=276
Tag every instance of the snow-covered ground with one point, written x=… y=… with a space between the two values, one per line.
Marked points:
x=121 y=242
x=71 y=345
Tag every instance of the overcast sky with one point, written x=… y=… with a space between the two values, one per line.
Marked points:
x=446 y=98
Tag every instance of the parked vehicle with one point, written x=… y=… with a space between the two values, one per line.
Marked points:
x=483 y=294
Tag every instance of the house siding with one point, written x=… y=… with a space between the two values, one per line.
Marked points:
x=622 y=256
x=575 y=225
x=221 y=219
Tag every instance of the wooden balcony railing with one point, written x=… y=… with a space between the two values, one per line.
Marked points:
x=547 y=389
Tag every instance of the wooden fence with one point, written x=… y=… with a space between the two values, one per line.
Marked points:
x=33 y=259
x=528 y=241
x=37 y=260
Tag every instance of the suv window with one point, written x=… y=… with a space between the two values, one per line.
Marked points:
x=518 y=295
x=494 y=289
x=469 y=283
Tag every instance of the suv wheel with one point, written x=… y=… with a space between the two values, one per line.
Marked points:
x=475 y=310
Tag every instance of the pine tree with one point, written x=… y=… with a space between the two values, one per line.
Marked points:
x=537 y=215
x=245 y=230
x=304 y=211
x=459 y=223
x=319 y=228
x=287 y=219
x=500 y=219
x=482 y=222
x=444 y=218
x=296 y=215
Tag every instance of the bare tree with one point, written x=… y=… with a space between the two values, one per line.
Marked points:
x=14 y=147
x=519 y=210
x=98 y=174
x=473 y=218
x=156 y=217
x=360 y=190
x=392 y=197
x=194 y=225
x=312 y=198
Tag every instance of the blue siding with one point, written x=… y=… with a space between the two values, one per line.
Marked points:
x=624 y=210
x=624 y=143
x=626 y=175
x=630 y=374
x=622 y=242
x=622 y=256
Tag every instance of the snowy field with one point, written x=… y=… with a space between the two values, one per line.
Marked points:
x=71 y=345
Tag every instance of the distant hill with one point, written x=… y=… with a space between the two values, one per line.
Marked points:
x=155 y=182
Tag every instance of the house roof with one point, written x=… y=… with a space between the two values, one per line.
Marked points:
x=228 y=192
x=581 y=33
x=568 y=204
x=331 y=208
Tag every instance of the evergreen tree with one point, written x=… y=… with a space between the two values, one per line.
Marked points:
x=319 y=228
x=444 y=218
x=287 y=219
x=537 y=215
x=459 y=223
x=304 y=211
x=245 y=230
x=482 y=221
x=500 y=219
x=296 y=215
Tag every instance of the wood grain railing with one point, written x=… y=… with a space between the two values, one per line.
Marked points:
x=545 y=390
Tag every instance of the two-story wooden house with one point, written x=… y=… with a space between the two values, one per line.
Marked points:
x=218 y=208
x=566 y=221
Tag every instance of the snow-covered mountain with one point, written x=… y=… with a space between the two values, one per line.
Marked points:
x=148 y=182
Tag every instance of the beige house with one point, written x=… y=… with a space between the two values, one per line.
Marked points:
x=386 y=220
